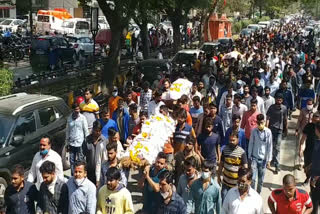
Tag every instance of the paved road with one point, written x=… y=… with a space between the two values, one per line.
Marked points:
x=271 y=182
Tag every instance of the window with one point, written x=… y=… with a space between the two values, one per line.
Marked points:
x=26 y=125
x=47 y=116
x=82 y=25
x=43 y=18
x=4 y=13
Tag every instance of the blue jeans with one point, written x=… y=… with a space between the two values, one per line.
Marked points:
x=276 y=142
x=258 y=167
x=224 y=191
x=76 y=154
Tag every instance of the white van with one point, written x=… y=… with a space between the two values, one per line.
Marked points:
x=76 y=27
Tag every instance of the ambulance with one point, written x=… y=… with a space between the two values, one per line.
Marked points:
x=51 y=20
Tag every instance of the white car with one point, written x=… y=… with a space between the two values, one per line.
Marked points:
x=103 y=23
x=83 y=46
x=254 y=27
x=11 y=24
x=184 y=57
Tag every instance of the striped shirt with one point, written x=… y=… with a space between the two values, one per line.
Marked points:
x=232 y=160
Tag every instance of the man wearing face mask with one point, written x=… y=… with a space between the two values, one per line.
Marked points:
x=243 y=199
x=185 y=182
x=206 y=192
x=305 y=117
x=171 y=202
x=45 y=154
x=76 y=133
x=113 y=100
x=260 y=151
x=289 y=199
x=82 y=192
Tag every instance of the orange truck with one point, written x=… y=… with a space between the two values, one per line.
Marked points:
x=51 y=20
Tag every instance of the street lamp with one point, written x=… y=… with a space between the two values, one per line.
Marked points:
x=94 y=29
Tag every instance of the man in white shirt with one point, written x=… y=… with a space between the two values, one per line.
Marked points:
x=238 y=107
x=267 y=98
x=154 y=105
x=101 y=152
x=45 y=154
x=242 y=198
x=230 y=91
x=260 y=105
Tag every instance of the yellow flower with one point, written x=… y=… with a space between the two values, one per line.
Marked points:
x=158 y=118
x=146 y=148
x=148 y=123
x=144 y=134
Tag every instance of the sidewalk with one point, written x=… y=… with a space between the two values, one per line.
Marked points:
x=288 y=154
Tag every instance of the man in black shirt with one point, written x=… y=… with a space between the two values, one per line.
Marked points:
x=309 y=138
x=20 y=194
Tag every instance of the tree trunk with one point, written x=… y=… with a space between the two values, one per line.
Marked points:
x=176 y=21
x=145 y=40
x=112 y=63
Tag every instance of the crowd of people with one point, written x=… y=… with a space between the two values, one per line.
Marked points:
x=228 y=132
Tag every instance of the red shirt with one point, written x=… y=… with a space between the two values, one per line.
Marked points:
x=301 y=200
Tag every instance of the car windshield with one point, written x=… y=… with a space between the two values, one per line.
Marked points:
x=7 y=22
x=40 y=43
x=209 y=48
x=224 y=41
x=43 y=18
x=183 y=58
x=6 y=124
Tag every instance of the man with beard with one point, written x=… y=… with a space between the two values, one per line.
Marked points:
x=154 y=105
x=53 y=191
x=150 y=184
x=288 y=99
x=277 y=121
x=186 y=180
x=209 y=143
x=113 y=197
x=233 y=157
x=19 y=197
x=90 y=149
x=180 y=157
x=236 y=120
x=267 y=98
x=243 y=199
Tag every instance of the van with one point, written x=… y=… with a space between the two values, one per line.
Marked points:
x=51 y=20
x=75 y=27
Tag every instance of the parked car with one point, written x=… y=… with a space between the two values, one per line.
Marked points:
x=24 y=118
x=11 y=24
x=254 y=27
x=46 y=51
x=265 y=23
x=152 y=68
x=225 y=43
x=210 y=47
x=83 y=46
x=184 y=57
x=246 y=32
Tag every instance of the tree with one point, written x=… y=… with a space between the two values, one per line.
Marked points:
x=6 y=81
x=118 y=14
x=142 y=16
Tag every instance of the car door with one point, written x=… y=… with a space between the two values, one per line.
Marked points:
x=26 y=126
x=52 y=122
x=66 y=50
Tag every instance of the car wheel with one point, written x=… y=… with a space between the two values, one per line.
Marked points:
x=65 y=158
x=3 y=186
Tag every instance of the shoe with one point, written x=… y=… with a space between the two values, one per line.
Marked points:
x=277 y=170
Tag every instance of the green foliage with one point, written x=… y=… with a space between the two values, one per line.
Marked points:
x=246 y=22
x=236 y=27
x=264 y=18
x=6 y=81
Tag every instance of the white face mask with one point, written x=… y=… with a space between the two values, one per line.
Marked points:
x=205 y=175
x=164 y=195
x=79 y=181
x=115 y=93
x=309 y=107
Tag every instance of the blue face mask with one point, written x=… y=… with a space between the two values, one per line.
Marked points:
x=44 y=152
